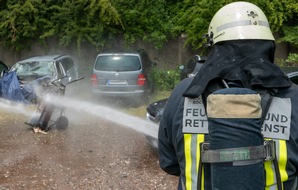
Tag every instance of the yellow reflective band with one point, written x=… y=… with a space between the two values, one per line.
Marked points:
x=283 y=160
x=270 y=174
x=281 y=154
x=192 y=152
x=187 y=152
x=269 y=169
x=201 y=138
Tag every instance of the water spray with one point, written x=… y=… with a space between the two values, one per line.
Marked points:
x=135 y=123
x=15 y=107
x=118 y=117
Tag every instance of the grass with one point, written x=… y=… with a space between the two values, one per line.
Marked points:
x=159 y=95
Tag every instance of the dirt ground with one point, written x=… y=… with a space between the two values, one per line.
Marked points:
x=91 y=154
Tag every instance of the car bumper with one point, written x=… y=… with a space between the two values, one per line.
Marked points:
x=151 y=140
x=139 y=93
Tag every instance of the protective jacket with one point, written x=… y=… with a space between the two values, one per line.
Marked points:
x=180 y=151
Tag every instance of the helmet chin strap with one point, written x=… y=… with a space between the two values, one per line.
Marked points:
x=209 y=40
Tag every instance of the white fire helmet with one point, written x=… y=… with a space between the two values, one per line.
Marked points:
x=239 y=21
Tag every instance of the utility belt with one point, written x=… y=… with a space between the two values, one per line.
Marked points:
x=239 y=156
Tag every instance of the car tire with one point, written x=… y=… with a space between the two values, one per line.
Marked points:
x=62 y=123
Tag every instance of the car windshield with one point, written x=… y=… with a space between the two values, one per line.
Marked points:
x=118 y=63
x=41 y=68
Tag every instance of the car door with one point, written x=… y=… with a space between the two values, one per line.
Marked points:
x=69 y=67
x=61 y=74
x=3 y=68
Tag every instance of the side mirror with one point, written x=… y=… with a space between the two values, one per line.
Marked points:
x=153 y=63
x=181 y=67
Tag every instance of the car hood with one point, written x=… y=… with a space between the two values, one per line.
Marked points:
x=155 y=110
x=25 y=79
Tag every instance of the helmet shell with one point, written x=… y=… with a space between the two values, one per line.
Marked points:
x=239 y=21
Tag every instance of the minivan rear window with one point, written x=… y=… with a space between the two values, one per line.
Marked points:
x=117 y=63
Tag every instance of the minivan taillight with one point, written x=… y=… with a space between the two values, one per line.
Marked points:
x=94 y=81
x=141 y=80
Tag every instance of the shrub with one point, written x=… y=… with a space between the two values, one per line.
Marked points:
x=165 y=79
x=293 y=59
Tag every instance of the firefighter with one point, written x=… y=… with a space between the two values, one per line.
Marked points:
x=240 y=64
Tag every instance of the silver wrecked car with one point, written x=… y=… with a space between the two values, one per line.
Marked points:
x=33 y=72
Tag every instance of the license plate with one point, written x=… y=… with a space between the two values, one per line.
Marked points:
x=116 y=82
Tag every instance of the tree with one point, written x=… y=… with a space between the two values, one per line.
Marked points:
x=96 y=21
x=70 y=21
x=19 y=22
x=197 y=14
x=147 y=20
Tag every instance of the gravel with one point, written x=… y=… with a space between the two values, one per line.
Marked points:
x=92 y=153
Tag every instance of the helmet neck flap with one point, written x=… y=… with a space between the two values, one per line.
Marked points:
x=246 y=62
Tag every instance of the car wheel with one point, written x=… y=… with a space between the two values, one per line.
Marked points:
x=62 y=123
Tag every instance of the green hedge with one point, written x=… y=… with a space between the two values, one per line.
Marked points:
x=165 y=79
